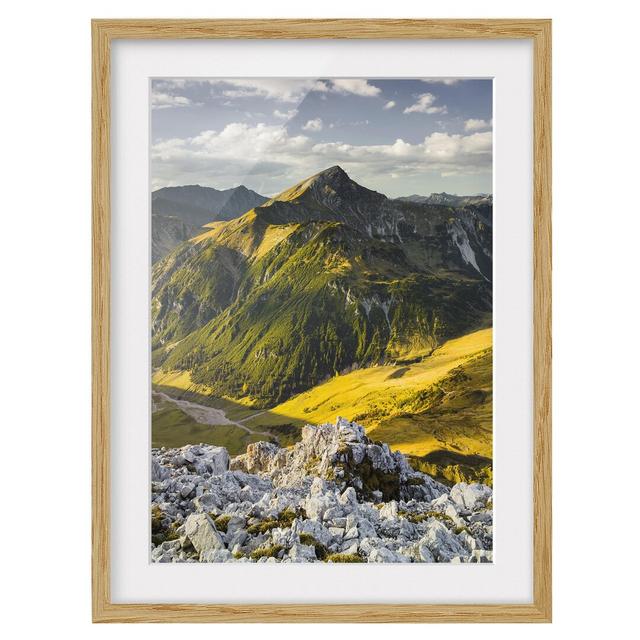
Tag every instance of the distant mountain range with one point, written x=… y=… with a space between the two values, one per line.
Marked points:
x=326 y=277
x=180 y=212
x=449 y=200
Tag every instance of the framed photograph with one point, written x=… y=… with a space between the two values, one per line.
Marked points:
x=322 y=312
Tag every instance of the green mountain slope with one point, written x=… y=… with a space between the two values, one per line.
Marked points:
x=324 y=278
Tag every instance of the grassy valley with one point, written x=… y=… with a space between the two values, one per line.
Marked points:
x=437 y=409
x=331 y=300
x=171 y=427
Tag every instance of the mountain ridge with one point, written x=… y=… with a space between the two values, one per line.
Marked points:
x=204 y=204
x=178 y=213
x=449 y=199
x=325 y=276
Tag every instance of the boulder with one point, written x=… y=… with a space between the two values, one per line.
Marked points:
x=389 y=510
x=187 y=489
x=350 y=547
x=202 y=533
x=158 y=472
x=425 y=554
x=204 y=458
x=207 y=502
x=337 y=532
x=317 y=530
x=382 y=554
x=366 y=529
x=216 y=555
x=302 y=553
x=443 y=544
x=481 y=555
x=348 y=497
x=470 y=496
x=351 y=534
x=259 y=458
x=236 y=539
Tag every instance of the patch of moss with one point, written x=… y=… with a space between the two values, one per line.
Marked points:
x=283 y=520
x=311 y=464
x=157 y=516
x=287 y=516
x=344 y=557
x=262 y=527
x=222 y=522
x=460 y=529
x=160 y=533
x=416 y=518
x=344 y=449
x=238 y=554
x=308 y=539
x=266 y=552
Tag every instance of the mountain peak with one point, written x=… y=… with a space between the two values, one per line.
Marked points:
x=336 y=171
x=335 y=177
x=331 y=184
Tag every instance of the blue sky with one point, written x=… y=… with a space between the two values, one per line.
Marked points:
x=397 y=136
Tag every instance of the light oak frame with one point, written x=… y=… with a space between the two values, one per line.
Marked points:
x=539 y=31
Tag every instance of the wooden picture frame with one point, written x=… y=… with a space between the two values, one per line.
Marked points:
x=539 y=31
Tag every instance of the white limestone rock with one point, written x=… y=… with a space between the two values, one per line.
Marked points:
x=202 y=533
x=158 y=472
x=443 y=544
x=216 y=555
x=328 y=480
x=302 y=553
x=470 y=496
x=383 y=554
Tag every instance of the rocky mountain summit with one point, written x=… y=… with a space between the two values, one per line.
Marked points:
x=326 y=277
x=335 y=496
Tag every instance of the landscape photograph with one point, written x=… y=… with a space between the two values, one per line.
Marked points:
x=321 y=320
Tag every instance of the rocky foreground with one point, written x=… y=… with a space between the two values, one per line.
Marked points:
x=335 y=496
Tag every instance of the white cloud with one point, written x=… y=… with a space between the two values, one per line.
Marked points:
x=445 y=148
x=389 y=105
x=313 y=125
x=279 y=89
x=285 y=115
x=439 y=151
x=425 y=105
x=356 y=86
x=169 y=84
x=474 y=124
x=447 y=81
x=268 y=156
x=291 y=90
x=167 y=101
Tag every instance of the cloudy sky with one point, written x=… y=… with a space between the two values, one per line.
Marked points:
x=398 y=137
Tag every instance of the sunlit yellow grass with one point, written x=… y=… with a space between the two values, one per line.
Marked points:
x=365 y=390
x=374 y=395
x=422 y=443
x=179 y=380
x=250 y=244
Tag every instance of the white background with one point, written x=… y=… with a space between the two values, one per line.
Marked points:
x=508 y=578
x=45 y=267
